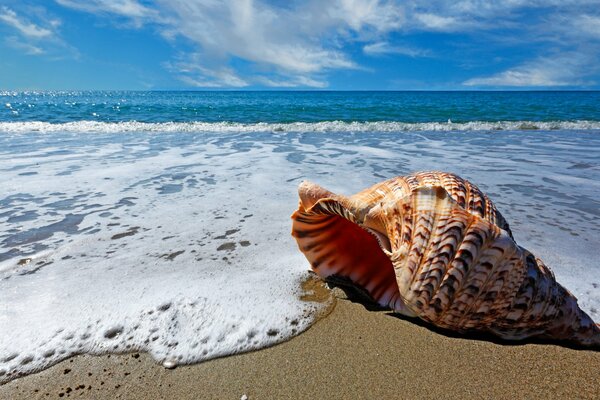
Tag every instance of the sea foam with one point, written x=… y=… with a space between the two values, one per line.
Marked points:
x=323 y=126
x=185 y=254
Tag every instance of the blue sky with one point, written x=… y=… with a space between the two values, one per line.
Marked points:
x=311 y=44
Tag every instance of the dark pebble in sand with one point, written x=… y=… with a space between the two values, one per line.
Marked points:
x=66 y=371
x=226 y=246
x=245 y=243
x=24 y=261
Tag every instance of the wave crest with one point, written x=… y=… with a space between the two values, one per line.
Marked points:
x=323 y=126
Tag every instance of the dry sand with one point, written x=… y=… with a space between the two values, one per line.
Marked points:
x=353 y=353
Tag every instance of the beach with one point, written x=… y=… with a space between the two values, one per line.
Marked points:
x=352 y=353
x=138 y=246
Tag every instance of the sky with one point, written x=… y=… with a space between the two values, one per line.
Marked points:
x=304 y=45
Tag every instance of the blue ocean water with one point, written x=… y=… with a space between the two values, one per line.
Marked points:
x=308 y=107
x=160 y=221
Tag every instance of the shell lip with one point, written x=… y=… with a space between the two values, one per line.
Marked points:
x=382 y=239
x=373 y=223
x=310 y=194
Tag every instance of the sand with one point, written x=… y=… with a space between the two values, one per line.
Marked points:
x=352 y=353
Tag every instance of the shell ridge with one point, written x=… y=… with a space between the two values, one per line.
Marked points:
x=458 y=265
x=437 y=260
x=424 y=284
x=482 y=286
x=464 y=297
x=418 y=273
x=551 y=291
x=500 y=305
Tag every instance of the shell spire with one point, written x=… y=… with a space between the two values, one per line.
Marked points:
x=432 y=245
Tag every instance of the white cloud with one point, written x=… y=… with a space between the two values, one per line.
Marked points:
x=254 y=32
x=291 y=43
x=586 y=25
x=570 y=69
x=381 y=48
x=293 y=82
x=300 y=42
x=191 y=71
x=24 y=27
x=125 y=8
x=374 y=14
x=437 y=22
x=27 y=48
x=35 y=32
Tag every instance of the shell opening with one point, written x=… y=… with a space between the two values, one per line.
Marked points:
x=336 y=246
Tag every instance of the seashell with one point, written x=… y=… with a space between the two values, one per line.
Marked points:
x=432 y=245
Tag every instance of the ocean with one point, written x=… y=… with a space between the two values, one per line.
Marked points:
x=160 y=221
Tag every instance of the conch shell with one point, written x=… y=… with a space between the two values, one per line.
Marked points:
x=432 y=245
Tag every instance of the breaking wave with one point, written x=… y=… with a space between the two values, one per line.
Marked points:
x=324 y=126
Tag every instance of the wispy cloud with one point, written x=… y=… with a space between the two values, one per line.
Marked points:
x=194 y=74
x=569 y=69
x=126 y=8
x=25 y=47
x=358 y=15
x=292 y=82
x=292 y=43
x=22 y=25
x=266 y=36
x=568 y=33
x=34 y=32
x=381 y=48
x=437 y=22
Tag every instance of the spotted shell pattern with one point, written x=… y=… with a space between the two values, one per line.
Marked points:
x=432 y=245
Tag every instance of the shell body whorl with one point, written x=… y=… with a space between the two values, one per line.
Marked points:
x=432 y=245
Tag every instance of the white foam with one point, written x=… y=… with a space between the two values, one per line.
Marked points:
x=324 y=126
x=186 y=275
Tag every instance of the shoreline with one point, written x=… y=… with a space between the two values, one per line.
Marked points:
x=351 y=353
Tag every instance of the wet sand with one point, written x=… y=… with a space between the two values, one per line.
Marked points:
x=353 y=353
